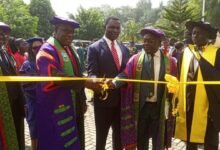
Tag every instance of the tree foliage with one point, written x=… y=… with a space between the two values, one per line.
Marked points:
x=131 y=19
x=174 y=17
x=142 y=9
x=212 y=15
x=212 y=8
x=131 y=31
x=91 y=23
x=107 y=11
x=16 y=14
x=125 y=13
x=145 y=14
x=44 y=11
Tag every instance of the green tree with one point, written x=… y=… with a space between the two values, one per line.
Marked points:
x=154 y=14
x=131 y=31
x=174 y=17
x=125 y=13
x=145 y=14
x=212 y=14
x=91 y=23
x=43 y=10
x=212 y=8
x=16 y=14
x=107 y=11
x=196 y=5
x=143 y=7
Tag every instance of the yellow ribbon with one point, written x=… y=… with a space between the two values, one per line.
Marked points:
x=172 y=83
x=173 y=87
x=46 y=78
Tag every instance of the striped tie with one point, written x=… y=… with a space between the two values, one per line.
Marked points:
x=115 y=55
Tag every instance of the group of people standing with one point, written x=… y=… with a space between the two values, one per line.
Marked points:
x=136 y=111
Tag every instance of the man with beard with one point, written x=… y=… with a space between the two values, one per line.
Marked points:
x=11 y=100
x=106 y=58
x=59 y=126
x=198 y=120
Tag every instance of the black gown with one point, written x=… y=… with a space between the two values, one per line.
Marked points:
x=12 y=92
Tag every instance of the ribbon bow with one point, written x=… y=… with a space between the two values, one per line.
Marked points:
x=104 y=91
x=173 y=87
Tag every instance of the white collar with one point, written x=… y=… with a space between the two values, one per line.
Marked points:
x=108 y=40
x=157 y=54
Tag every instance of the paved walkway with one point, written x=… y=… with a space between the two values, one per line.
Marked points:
x=90 y=134
x=90 y=137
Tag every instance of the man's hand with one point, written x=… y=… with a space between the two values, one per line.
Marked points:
x=110 y=84
x=94 y=84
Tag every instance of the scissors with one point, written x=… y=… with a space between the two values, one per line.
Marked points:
x=104 y=91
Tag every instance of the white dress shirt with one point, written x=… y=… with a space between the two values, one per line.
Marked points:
x=157 y=57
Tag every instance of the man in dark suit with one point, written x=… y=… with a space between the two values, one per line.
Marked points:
x=106 y=58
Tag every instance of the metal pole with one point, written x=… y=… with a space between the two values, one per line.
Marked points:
x=203 y=10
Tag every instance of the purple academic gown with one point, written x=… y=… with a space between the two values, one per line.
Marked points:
x=129 y=108
x=55 y=114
